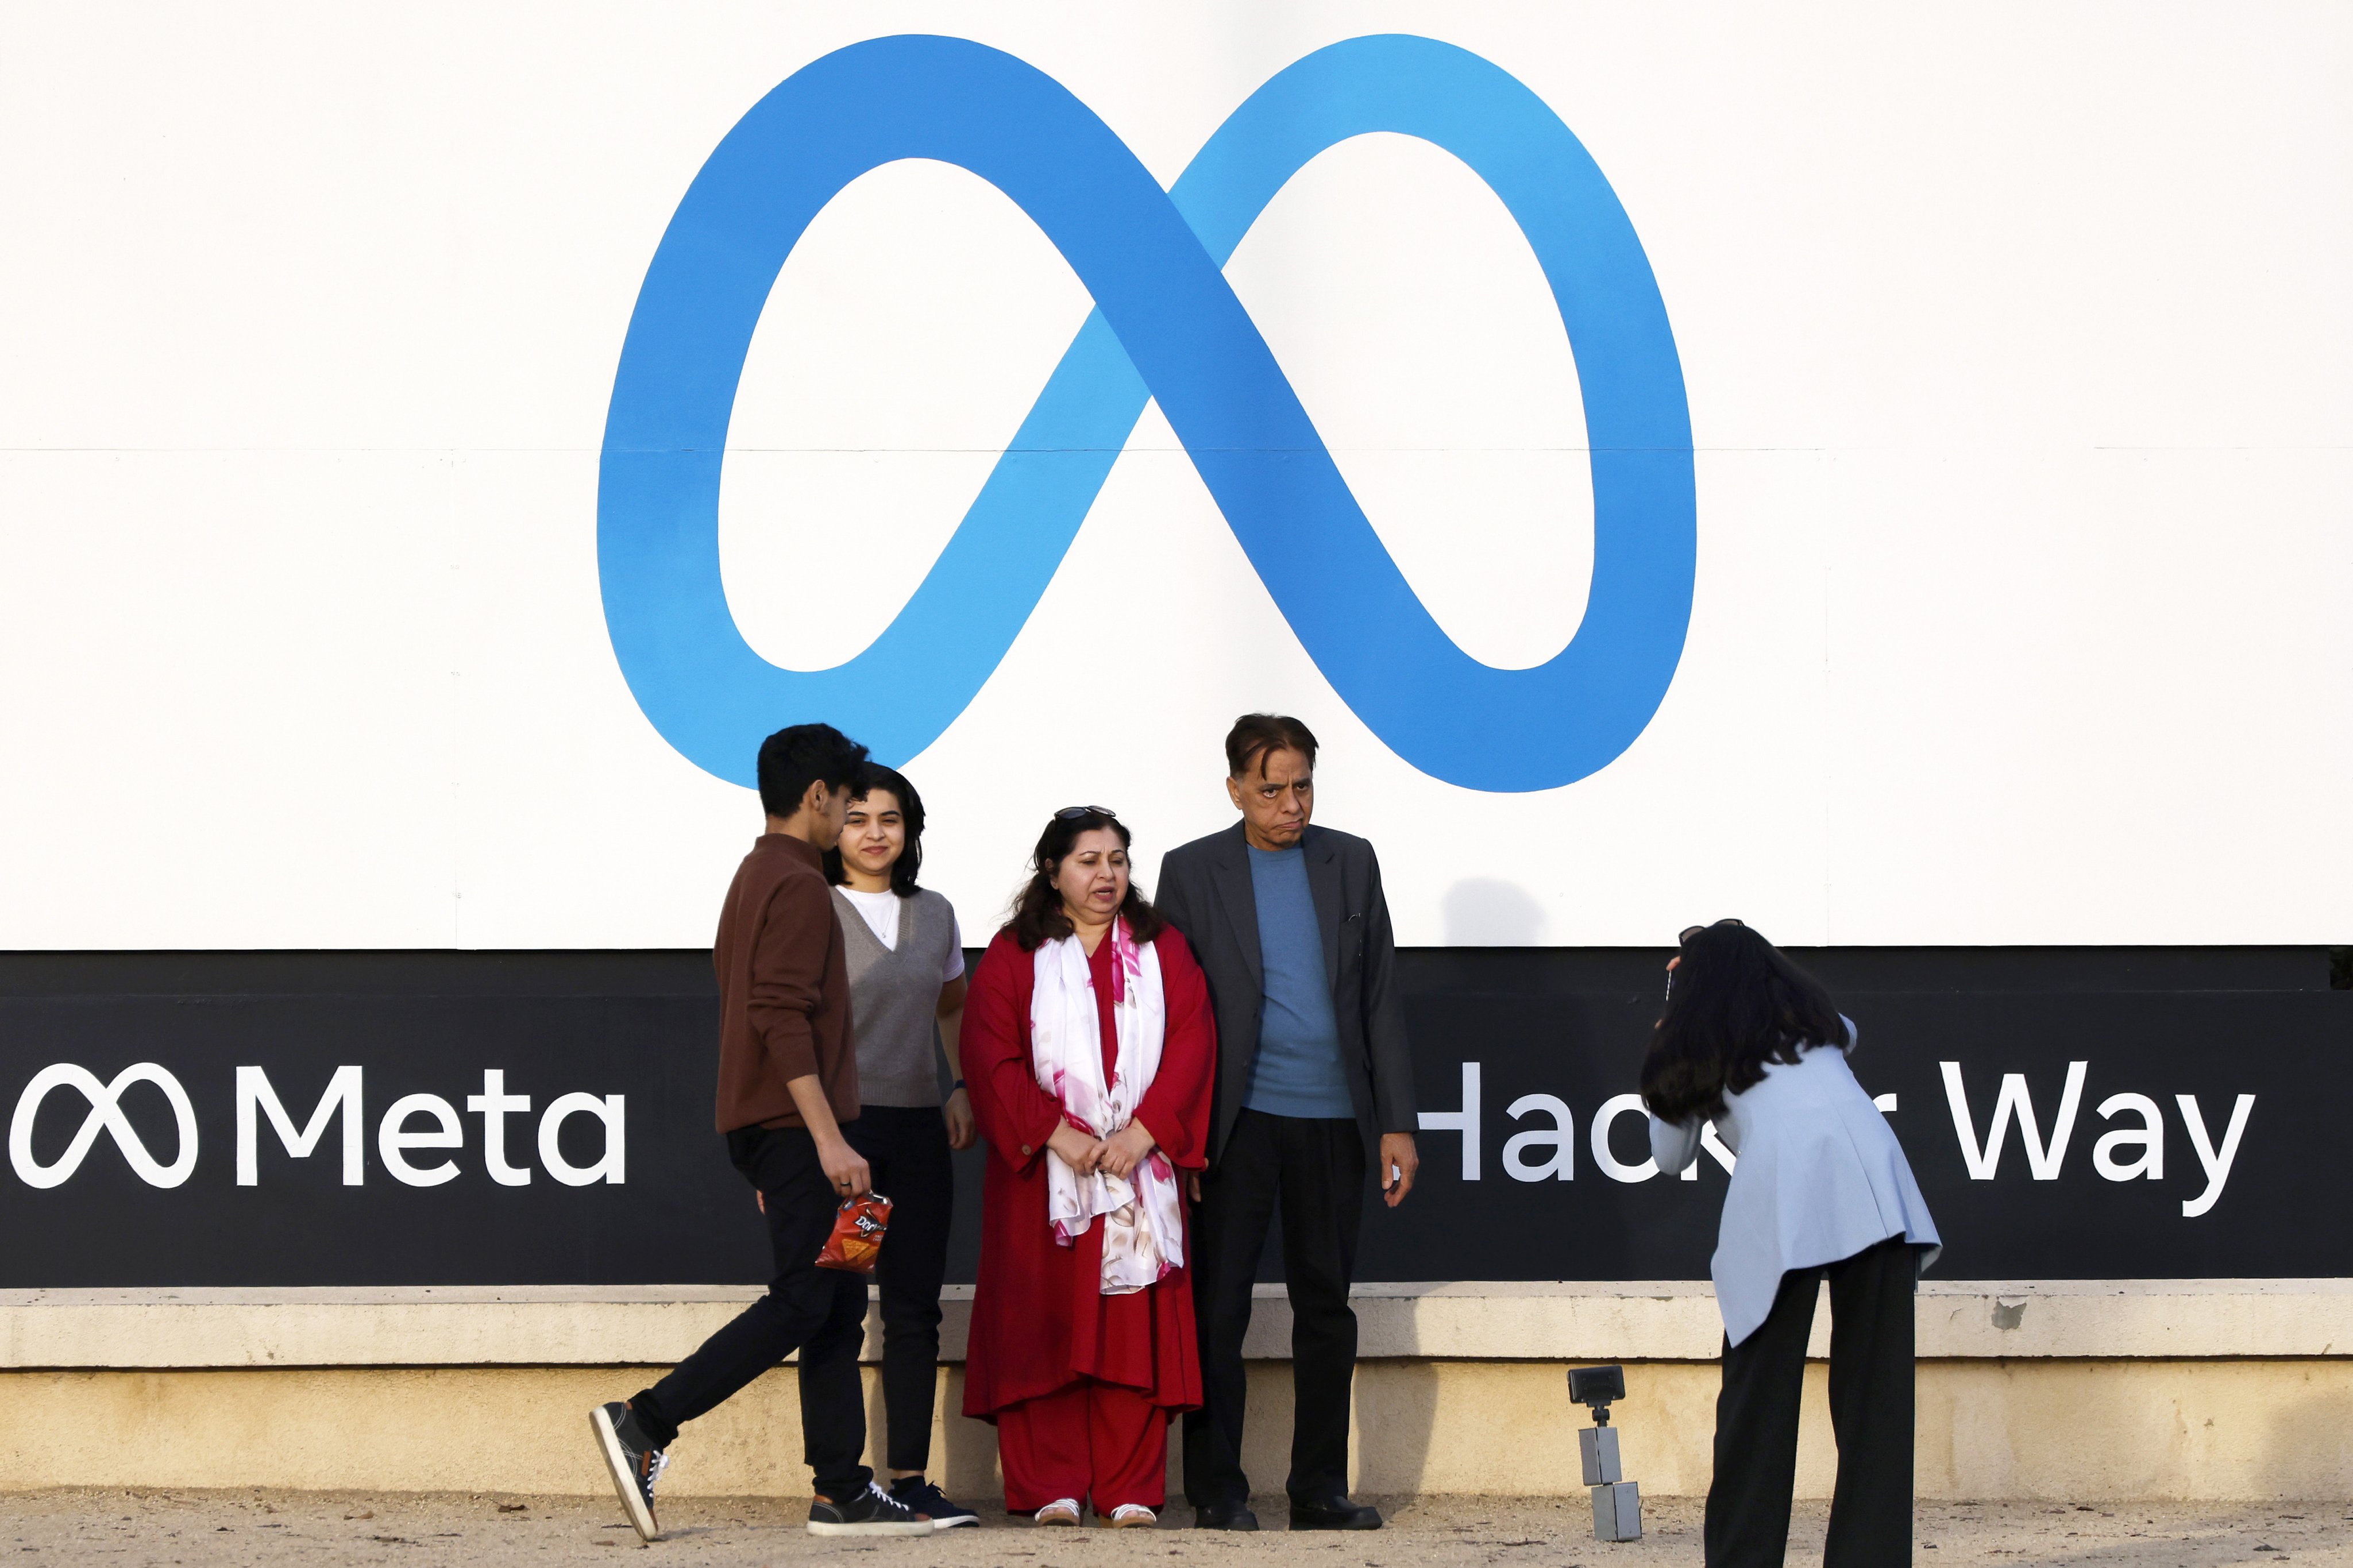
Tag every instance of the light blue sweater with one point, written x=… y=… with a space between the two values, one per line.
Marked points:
x=1297 y=1070
x=1816 y=1176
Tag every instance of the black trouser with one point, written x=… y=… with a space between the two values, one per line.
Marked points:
x=821 y=1312
x=906 y=1148
x=1316 y=1170
x=1871 y=1413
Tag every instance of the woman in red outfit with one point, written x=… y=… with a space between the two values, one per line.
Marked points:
x=1088 y=1051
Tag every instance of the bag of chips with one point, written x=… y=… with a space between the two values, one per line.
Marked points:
x=858 y=1230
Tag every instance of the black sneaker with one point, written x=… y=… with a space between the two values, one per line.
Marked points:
x=917 y=1495
x=871 y=1512
x=635 y=1463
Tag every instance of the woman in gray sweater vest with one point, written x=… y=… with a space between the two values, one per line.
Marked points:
x=906 y=1002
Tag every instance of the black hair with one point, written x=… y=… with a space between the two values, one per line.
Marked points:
x=1733 y=1004
x=796 y=757
x=1255 y=734
x=872 y=777
x=1036 y=917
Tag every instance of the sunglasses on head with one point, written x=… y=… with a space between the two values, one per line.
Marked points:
x=1072 y=812
x=1690 y=932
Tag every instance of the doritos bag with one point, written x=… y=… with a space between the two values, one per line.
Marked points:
x=857 y=1240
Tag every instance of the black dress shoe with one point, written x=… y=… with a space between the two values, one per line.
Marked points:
x=1225 y=1516
x=1334 y=1512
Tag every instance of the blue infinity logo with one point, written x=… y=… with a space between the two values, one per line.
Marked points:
x=1165 y=326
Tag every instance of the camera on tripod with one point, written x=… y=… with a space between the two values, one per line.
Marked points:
x=1616 y=1502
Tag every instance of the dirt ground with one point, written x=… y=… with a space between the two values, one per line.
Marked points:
x=491 y=1532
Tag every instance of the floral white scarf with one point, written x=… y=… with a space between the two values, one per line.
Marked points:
x=1144 y=1234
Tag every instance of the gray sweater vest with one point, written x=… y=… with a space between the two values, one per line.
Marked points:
x=894 y=998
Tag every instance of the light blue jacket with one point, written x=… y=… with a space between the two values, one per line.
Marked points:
x=1818 y=1177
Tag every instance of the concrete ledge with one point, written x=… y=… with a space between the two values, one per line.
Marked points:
x=1664 y=1320
x=2074 y=1431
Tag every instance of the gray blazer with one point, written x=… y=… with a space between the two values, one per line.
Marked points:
x=1204 y=892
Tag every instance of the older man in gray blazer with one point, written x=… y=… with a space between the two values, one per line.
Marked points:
x=1290 y=924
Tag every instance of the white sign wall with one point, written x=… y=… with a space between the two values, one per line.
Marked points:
x=2014 y=342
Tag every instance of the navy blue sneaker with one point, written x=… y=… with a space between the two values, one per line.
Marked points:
x=919 y=1496
x=871 y=1512
x=633 y=1460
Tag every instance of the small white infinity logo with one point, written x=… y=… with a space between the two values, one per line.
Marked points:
x=106 y=1115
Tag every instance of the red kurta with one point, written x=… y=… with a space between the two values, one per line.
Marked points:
x=1040 y=1319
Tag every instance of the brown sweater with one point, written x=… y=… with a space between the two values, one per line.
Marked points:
x=784 y=989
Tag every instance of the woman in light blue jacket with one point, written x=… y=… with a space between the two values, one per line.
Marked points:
x=1752 y=1044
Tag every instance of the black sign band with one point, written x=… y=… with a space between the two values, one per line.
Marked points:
x=390 y=1119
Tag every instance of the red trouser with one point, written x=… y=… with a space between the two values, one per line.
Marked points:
x=1085 y=1438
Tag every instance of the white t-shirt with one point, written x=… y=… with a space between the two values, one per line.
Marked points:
x=881 y=912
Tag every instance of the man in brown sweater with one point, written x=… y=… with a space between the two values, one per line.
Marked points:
x=788 y=1080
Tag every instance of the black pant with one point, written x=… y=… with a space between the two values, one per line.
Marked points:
x=1315 y=1169
x=821 y=1312
x=906 y=1147
x=1871 y=1413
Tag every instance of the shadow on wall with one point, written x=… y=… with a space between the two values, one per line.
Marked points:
x=1486 y=912
x=1396 y=1422
x=2308 y=1451
x=964 y=1454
